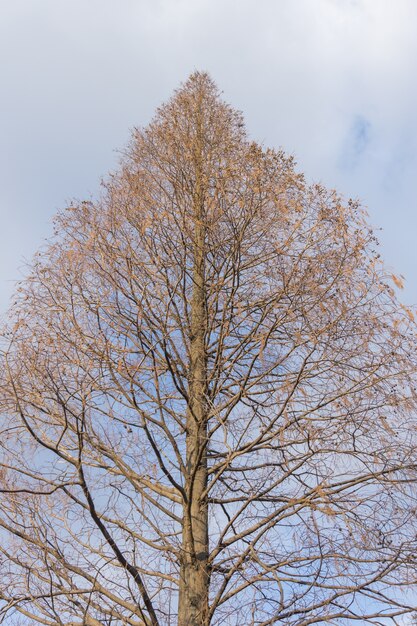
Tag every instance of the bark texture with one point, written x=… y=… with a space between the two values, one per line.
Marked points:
x=194 y=575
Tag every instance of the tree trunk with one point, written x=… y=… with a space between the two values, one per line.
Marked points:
x=194 y=577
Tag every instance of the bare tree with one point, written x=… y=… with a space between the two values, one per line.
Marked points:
x=208 y=400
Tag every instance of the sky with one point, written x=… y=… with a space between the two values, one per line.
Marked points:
x=333 y=82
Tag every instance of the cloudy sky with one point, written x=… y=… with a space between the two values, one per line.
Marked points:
x=333 y=82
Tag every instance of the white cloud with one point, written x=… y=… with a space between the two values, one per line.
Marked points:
x=76 y=75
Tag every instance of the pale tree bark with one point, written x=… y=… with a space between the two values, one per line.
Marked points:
x=194 y=576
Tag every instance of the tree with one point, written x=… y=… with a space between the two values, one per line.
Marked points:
x=208 y=401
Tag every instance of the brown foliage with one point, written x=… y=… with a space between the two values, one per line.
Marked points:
x=208 y=398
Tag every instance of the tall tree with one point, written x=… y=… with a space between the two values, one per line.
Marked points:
x=208 y=400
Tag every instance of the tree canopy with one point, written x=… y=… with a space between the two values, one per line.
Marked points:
x=208 y=398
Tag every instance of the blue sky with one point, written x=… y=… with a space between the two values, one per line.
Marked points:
x=333 y=82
